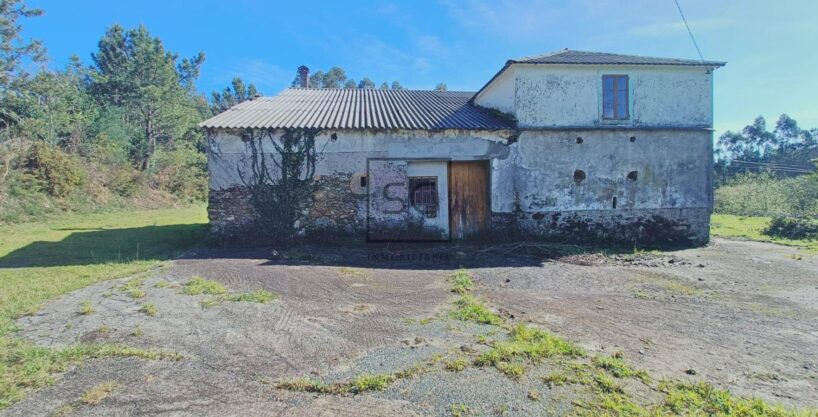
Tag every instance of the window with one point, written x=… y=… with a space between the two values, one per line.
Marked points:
x=423 y=195
x=615 y=97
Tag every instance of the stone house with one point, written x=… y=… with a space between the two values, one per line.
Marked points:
x=569 y=145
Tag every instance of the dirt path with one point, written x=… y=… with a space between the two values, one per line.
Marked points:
x=739 y=314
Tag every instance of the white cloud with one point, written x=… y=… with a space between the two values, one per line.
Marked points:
x=269 y=78
x=527 y=18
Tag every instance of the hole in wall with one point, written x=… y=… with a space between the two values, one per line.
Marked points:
x=363 y=181
x=579 y=139
x=334 y=136
x=613 y=204
x=579 y=176
x=633 y=175
x=633 y=138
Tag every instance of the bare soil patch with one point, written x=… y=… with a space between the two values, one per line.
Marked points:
x=739 y=314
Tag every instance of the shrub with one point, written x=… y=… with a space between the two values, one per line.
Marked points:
x=182 y=172
x=50 y=169
x=792 y=228
x=764 y=194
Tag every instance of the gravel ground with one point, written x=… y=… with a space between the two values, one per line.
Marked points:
x=739 y=314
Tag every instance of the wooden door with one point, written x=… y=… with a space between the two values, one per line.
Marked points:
x=468 y=198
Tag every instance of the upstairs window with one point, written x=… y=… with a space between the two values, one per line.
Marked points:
x=615 y=97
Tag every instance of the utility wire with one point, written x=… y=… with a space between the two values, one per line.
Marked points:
x=690 y=32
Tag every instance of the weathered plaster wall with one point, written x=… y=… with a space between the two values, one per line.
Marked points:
x=532 y=179
x=571 y=95
x=672 y=170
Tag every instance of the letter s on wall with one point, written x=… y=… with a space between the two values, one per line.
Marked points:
x=398 y=199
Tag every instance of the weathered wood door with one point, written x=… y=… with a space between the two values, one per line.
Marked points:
x=468 y=198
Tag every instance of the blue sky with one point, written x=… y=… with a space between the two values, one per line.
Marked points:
x=770 y=46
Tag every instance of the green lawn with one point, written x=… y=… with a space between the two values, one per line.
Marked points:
x=748 y=227
x=40 y=261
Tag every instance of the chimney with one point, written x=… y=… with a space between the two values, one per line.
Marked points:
x=304 y=73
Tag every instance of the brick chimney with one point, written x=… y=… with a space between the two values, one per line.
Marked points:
x=304 y=73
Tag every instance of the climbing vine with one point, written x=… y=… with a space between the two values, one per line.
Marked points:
x=279 y=179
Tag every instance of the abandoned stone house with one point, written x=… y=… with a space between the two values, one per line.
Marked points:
x=569 y=145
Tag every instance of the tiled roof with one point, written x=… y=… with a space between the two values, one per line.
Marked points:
x=359 y=109
x=568 y=56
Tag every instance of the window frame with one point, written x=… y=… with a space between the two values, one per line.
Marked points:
x=616 y=79
x=430 y=209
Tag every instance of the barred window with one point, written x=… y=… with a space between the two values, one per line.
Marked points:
x=423 y=195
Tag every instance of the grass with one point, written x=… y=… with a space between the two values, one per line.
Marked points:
x=748 y=227
x=133 y=287
x=456 y=365
x=460 y=410
x=618 y=368
x=98 y=393
x=257 y=296
x=40 y=261
x=469 y=308
x=86 y=308
x=461 y=281
x=149 y=309
x=198 y=285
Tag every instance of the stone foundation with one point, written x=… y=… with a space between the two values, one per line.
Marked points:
x=648 y=227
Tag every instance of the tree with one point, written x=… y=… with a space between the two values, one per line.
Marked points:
x=14 y=52
x=366 y=83
x=334 y=78
x=350 y=84
x=396 y=86
x=133 y=70
x=236 y=93
x=441 y=87
x=384 y=86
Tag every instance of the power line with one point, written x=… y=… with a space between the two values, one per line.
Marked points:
x=690 y=32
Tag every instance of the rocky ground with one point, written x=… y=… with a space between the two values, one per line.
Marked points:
x=741 y=315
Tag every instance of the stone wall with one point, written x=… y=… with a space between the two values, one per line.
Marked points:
x=645 y=227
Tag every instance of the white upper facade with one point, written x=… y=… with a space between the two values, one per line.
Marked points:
x=556 y=95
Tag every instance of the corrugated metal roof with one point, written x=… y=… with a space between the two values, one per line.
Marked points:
x=568 y=56
x=359 y=109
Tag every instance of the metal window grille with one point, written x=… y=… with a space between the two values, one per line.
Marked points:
x=423 y=195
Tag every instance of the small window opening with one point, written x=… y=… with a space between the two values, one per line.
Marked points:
x=579 y=176
x=423 y=195
x=633 y=139
x=363 y=181
x=615 y=97
x=633 y=175
x=579 y=139
x=614 y=202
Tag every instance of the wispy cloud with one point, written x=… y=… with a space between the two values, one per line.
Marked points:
x=505 y=18
x=672 y=28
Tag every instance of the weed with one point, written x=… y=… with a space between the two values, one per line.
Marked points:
x=210 y=302
x=533 y=395
x=132 y=287
x=98 y=393
x=368 y=382
x=137 y=331
x=461 y=281
x=460 y=410
x=104 y=330
x=456 y=365
x=149 y=309
x=511 y=370
x=63 y=410
x=161 y=284
x=618 y=368
x=86 y=308
x=557 y=379
x=469 y=308
x=642 y=295
x=198 y=285
x=257 y=296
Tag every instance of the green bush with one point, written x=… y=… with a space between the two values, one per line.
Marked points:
x=181 y=171
x=50 y=169
x=764 y=194
x=792 y=228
